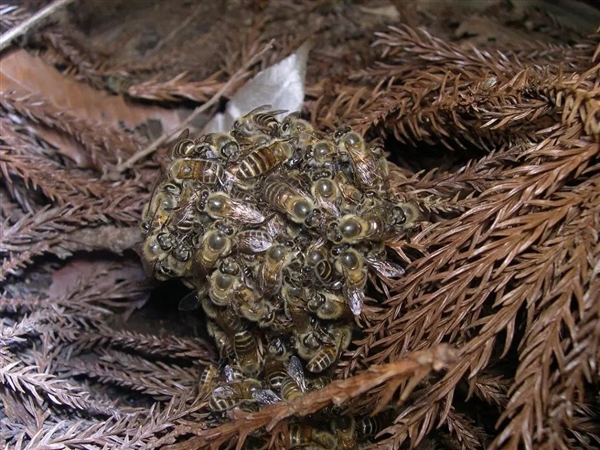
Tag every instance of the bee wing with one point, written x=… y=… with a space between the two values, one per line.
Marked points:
x=230 y=375
x=386 y=269
x=355 y=300
x=266 y=396
x=254 y=242
x=224 y=392
x=189 y=302
x=245 y=213
x=296 y=372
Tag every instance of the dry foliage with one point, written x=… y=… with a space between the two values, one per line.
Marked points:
x=491 y=116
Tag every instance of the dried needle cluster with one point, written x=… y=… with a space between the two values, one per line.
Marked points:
x=276 y=229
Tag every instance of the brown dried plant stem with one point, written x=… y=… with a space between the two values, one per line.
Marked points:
x=411 y=369
x=23 y=27
x=237 y=76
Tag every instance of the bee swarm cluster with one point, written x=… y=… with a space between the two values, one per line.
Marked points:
x=276 y=228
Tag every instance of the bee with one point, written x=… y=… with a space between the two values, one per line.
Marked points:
x=322 y=153
x=283 y=197
x=350 y=264
x=220 y=205
x=275 y=369
x=322 y=359
x=344 y=429
x=405 y=215
x=218 y=145
x=253 y=306
x=365 y=165
x=246 y=352
x=151 y=254
x=183 y=147
x=157 y=211
x=231 y=395
x=351 y=194
x=305 y=437
x=222 y=339
x=255 y=141
x=203 y=170
x=222 y=287
x=327 y=195
x=253 y=241
x=293 y=385
x=308 y=344
x=270 y=276
x=207 y=379
x=259 y=120
x=328 y=306
x=329 y=351
x=214 y=245
x=298 y=129
x=371 y=425
x=263 y=159
x=294 y=299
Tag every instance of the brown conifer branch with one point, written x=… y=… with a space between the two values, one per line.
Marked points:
x=413 y=367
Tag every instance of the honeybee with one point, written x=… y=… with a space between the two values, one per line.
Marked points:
x=327 y=195
x=203 y=170
x=207 y=379
x=329 y=352
x=222 y=287
x=183 y=147
x=218 y=145
x=259 y=120
x=294 y=299
x=371 y=425
x=263 y=159
x=308 y=344
x=253 y=241
x=283 y=197
x=328 y=306
x=164 y=200
x=246 y=352
x=255 y=141
x=231 y=395
x=350 y=264
x=365 y=165
x=296 y=372
x=298 y=129
x=151 y=254
x=222 y=339
x=214 y=246
x=405 y=215
x=270 y=276
x=344 y=429
x=275 y=369
x=220 y=205
x=252 y=305
x=352 y=195
x=307 y=437
x=322 y=153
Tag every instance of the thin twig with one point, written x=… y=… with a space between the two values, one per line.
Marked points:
x=214 y=99
x=23 y=27
x=173 y=33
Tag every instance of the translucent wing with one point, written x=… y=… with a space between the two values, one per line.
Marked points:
x=266 y=396
x=296 y=372
x=386 y=269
